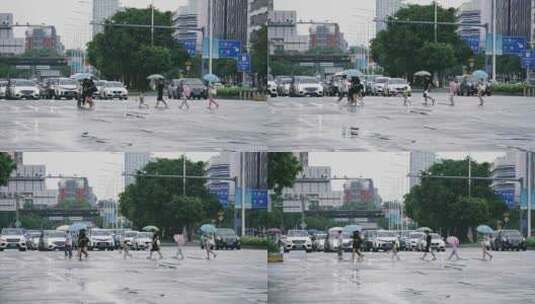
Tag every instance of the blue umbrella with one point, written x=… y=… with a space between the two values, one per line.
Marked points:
x=77 y=226
x=484 y=229
x=352 y=228
x=82 y=76
x=208 y=228
x=353 y=73
x=480 y=74
x=211 y=78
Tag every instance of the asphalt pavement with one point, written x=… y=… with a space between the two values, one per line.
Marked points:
x=385 y=124
x=57 y=125
x=47 y=277
x=322 y=278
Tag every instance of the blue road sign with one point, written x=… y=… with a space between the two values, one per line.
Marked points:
x=514 y=45
x=254 y=198
x=206 y=48
x=528 y=60
x=244 y=63
x=508 y=196
x=524 y=199
x=489 y=46
x=221 y=191
x=229 y=48
x=190 y=45
x=473 y=43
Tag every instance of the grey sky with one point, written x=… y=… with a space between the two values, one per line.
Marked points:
x=388 y=170
x=71 y=17
x=353 y=16
x=103 y=169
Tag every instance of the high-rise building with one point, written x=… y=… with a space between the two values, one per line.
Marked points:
x=102 y=10
x=133 y=162
x=327 y=35
x=282 y=33
x=44 y=38
x=9 y=45
x=515 y=18
x=470 y=13
x=508 y=166
x=385 y=9
x=186 y=20
x=230 y=20
x=258 y=15
x=419 y=161
x=220 y=166
x=362 y=192
x=76 y=189
x=108 y=210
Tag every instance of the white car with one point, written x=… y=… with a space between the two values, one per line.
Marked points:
x=379 y=86
x=414 y=240
x=66 y=88
x=13 y=238
x=114 y=89
x=306 y=86
x=385 y=240
x=318 y=244
x=143 y=240
x=101 y=239
x=437 y=243
x=128 y=238
x=53 y=240
x=100 y=84
x=332 y=242
x=22 y=89
x=272 y=88
x=396 y=86
x=3 y=88
x=297 y=239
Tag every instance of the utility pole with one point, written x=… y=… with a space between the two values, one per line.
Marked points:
x=152 y=23
x=211 y=35
x=494 y=47
x=436 y=21
x=469 y=176
x=242 y=182
x=530 y=188
x=184 y=174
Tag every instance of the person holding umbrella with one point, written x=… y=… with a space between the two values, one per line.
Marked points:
x=428 y=249
x=454 y=243
x=208 y=245
x=357 y=243
x=485 y=240
x=83 y=241
x=428 y=84
x=344 y=89
x=155 y=246
x=179 y=241
x=159 y=88
x=68 y=245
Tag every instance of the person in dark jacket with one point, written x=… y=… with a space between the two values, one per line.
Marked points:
x=155 y=246
x=428 y=84
x=428 y=249
x=357 y=243
x=355 y=91
x=82 y=243
x=159 y=88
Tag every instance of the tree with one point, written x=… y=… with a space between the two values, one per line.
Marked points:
x=396 y=48
x=160 y=201
x=6 y=167
x=259 y=55
x=445 y=204
x=283 y=168
x=127 y=53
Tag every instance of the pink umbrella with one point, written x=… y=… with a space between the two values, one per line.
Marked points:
x=454 y=241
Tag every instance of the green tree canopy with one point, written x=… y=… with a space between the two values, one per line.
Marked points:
x=445 y=204
x=6 y=167
x=259 y=53
x=283 y=168
x=397 y=47
x=127 y=54
x=72 y=203
x=160 y=201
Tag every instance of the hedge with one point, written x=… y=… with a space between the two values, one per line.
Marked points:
x=254 y=242
x=530 y=242
x=509 y=88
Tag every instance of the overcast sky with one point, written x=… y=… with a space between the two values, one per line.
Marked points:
x=71 y=17
x=388 y=170
x=353 y=16
x=103 y=169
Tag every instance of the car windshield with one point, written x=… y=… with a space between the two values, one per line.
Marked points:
x=284 y=80
x=297 y=233
x=100 y=83
x=386 y=234
x=130 y=234
x=114 y=84
x=512 y=233
x=320 y=236
x=55 y=234
x=67 y=82
x=307 y=80
x=34 y=233
x=416 y=235
x=227 y=232
x=100 y=233
x=12 y=231
x=398 y=81
x=435 y=236
x=381 y=80
x=24 y=83
x=192 y=81
x=145 y=235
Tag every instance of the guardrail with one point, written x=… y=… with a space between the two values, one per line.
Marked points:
x=529 y=91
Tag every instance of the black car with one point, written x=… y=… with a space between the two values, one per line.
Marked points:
x=226 y=238
x=198 y=88
x=509 y=240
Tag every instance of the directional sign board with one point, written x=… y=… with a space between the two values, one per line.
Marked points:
x=528 y=60
x=221 y=191
x=229 y=48
x=244 y=63
x=190 y=46
x=499 y=44
x=473 y=43
x=514 y=45
x=508 y=196
x=254 y=198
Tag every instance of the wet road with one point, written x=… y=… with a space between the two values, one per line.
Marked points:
x=46 y=277
x=321 y=278
x=51 y=125
x=384 y=124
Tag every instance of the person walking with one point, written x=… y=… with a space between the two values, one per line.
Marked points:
x=142 y=104
x=454 y=250
x=179 y=241
x=212 y=92
x=126 y=250
x=208 y=246
x=159 y=88
x=344 y=89
x=356 y=91
x=155 y=246
x=357 y=243
x=340 y=242
x=427 y=91
x=485 y=243
x=406 y=96
x=82 y=243
x=428 y=248
x=454 y=89
x=481 y=88
x=68 y=246
x=395 y=250
x=186 y=95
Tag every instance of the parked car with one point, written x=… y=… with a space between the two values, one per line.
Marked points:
x=297 y=239
x=101 y=239
x=414 y=240
x=142 y=240
x=283 y=85
x=66 y=88
x=508 y=239
x=379 y=86
x=47 y=87
x=22 y=89
x=52 y=240
x=306 y=86
x=12 y=238
x=335 y=84
x=198 y=89
x=272 y=88
x=396 y=86
x=3 y=88
x=347 y=237
x=226 y=238
x=114 y=89
x=129 y=237
x=404 y=240
x=32 y=239
x=100 y=85
x=318 y=241
x=331 y=242
x=385 y=240
x=437 y=243
x=369 y=237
